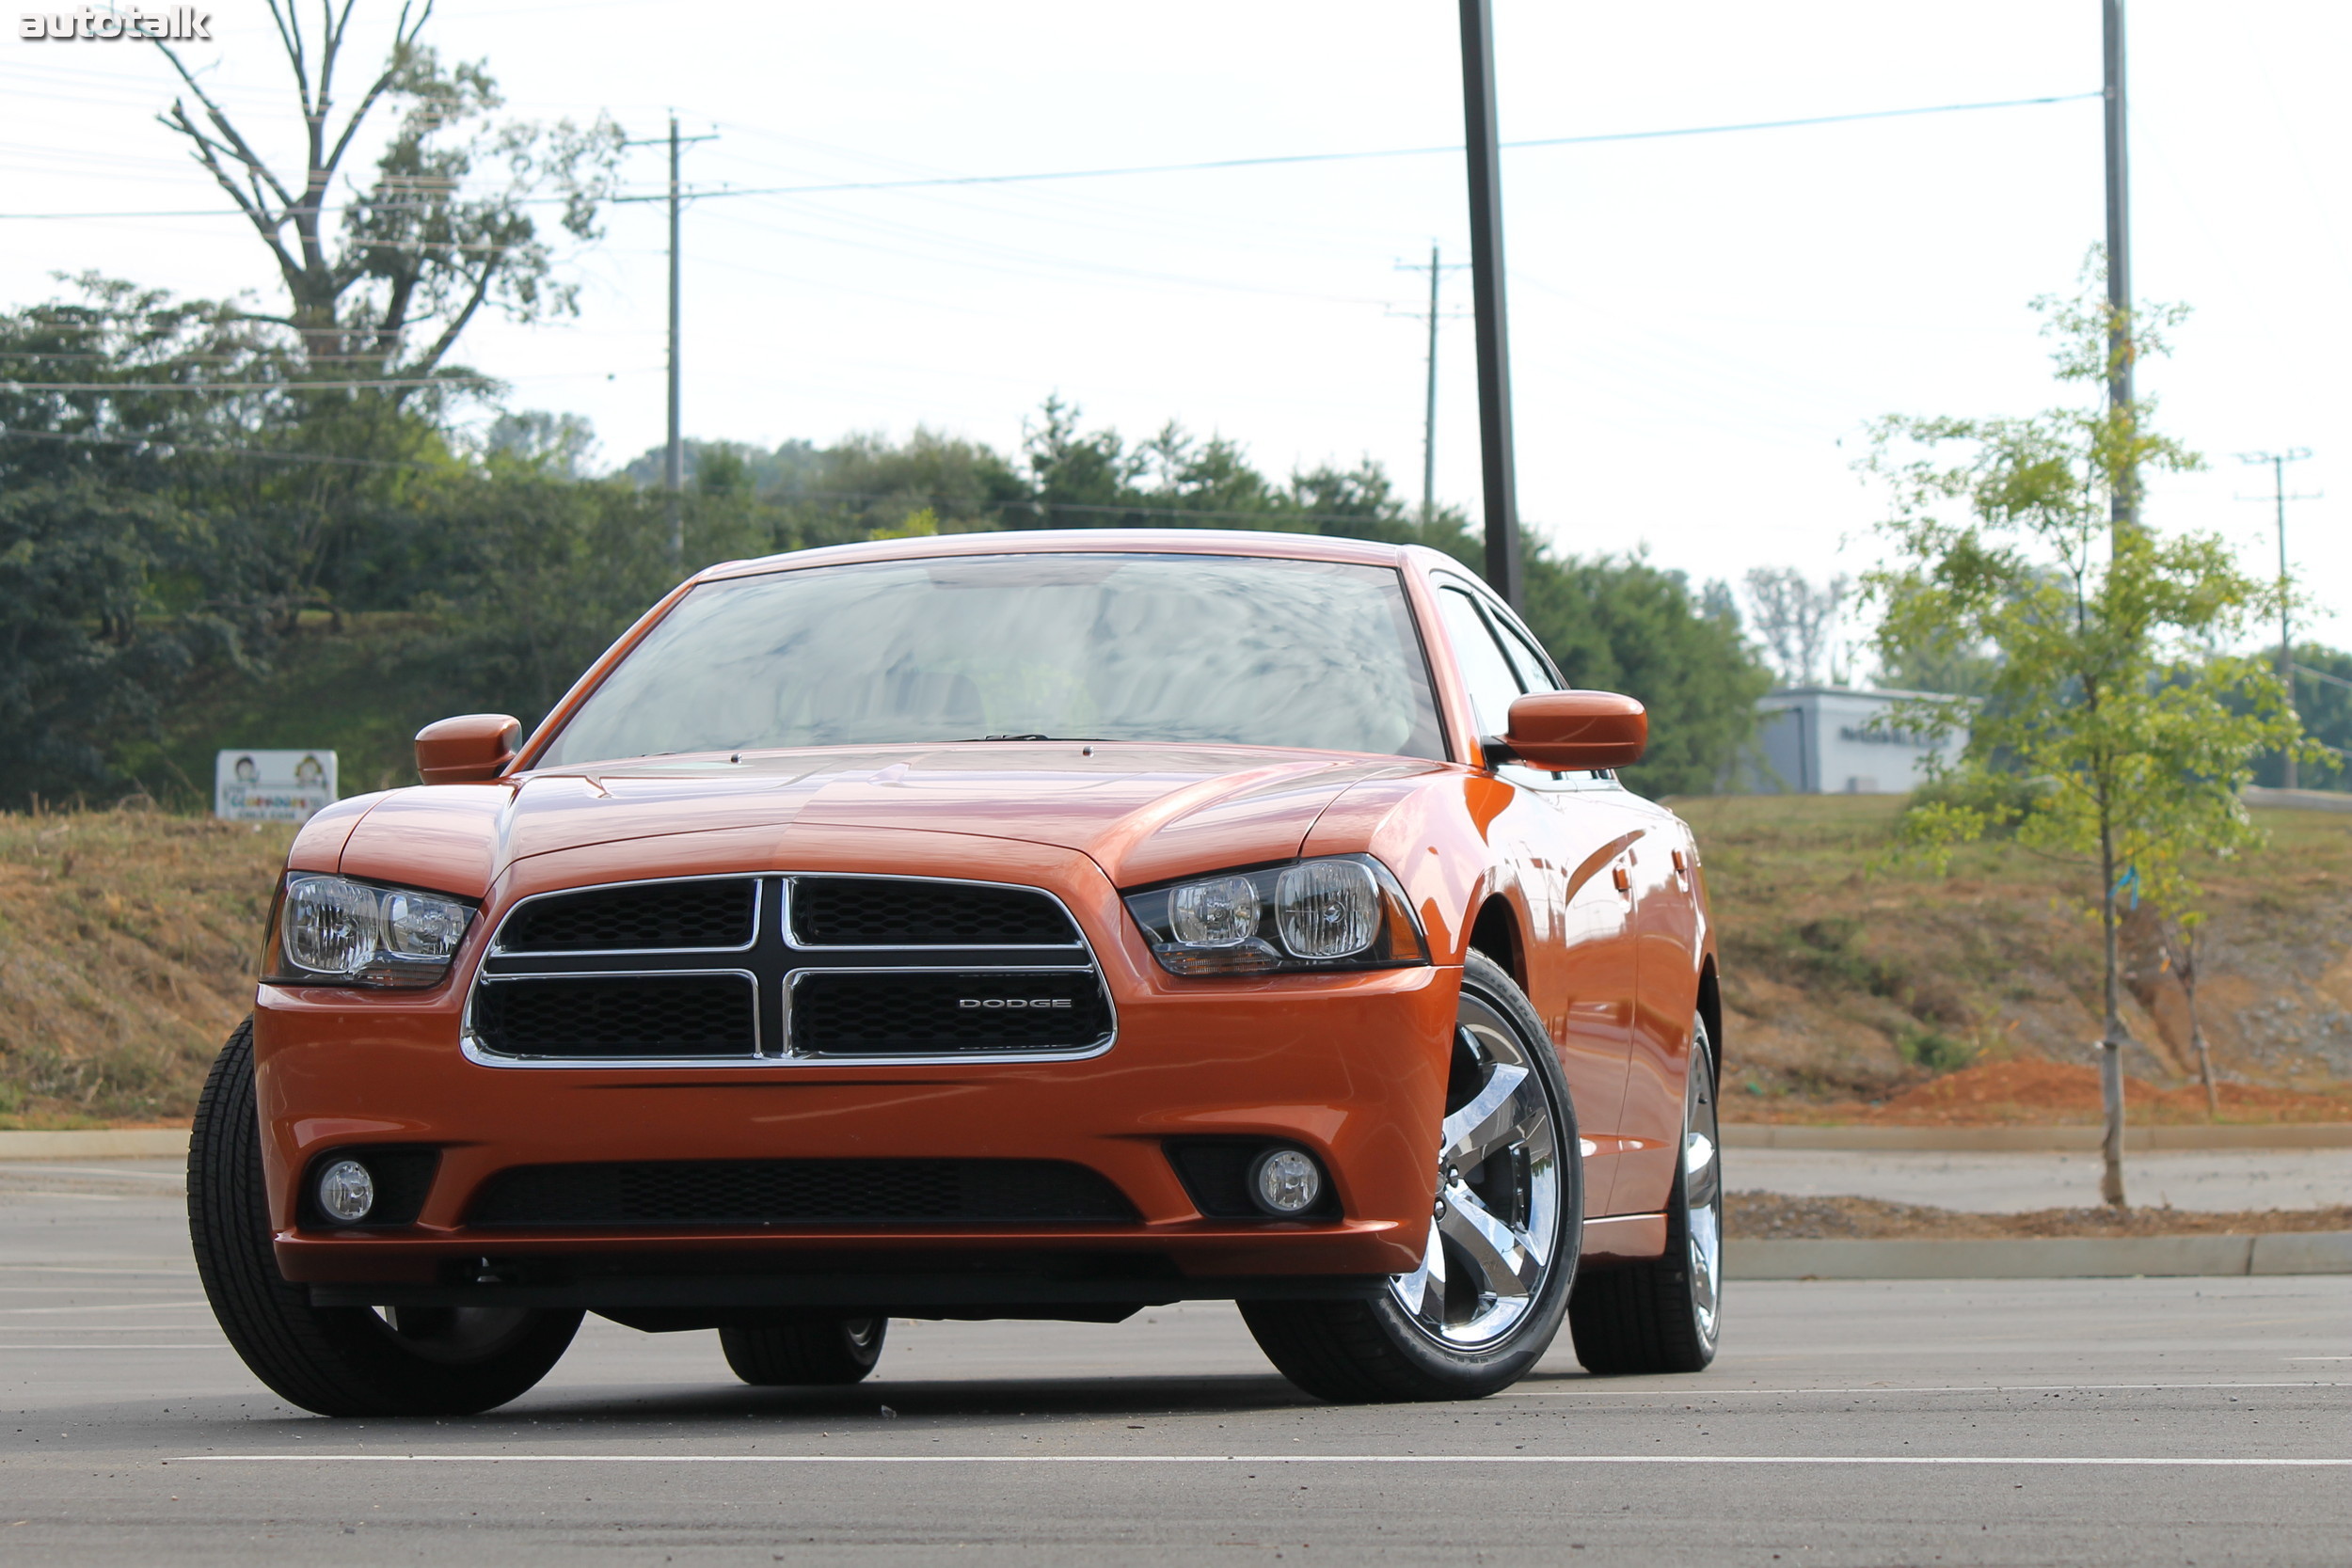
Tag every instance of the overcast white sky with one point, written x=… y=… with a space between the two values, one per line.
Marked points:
x=1697 y=324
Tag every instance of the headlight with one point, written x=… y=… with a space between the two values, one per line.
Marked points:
x=333 y=931
x=1341 y=913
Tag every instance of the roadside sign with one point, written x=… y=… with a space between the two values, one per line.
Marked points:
x=272 y=786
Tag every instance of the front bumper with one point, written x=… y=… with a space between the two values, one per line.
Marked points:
x=1349 y=1065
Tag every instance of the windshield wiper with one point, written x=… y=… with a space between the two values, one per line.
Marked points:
x=974 y=741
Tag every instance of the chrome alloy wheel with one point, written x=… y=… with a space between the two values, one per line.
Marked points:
x=1494 y=1231
x=1703 y=1186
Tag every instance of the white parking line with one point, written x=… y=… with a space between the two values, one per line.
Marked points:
x=176 y=1177
x=131 y=1307
x=2030 y=1461
x=1685 y=1393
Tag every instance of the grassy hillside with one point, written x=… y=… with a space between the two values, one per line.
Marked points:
x=1857 y=989
x=1854 y=983
x=127 y=948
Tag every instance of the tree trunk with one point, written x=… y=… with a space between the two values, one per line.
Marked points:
x=2197 y=1033
x=2111 y=1036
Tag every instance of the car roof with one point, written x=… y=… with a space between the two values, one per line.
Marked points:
x=1088 y=541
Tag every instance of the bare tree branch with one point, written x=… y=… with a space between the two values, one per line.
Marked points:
x=404 y=40
x=207 y=152
x=432 y=357
x=235 y=143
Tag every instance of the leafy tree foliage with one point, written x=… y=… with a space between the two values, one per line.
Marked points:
x=2323 y=702
x=2112 y=693
x=181 y=570
x=439 y=234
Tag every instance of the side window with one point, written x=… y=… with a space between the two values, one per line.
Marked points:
x=1493 y=685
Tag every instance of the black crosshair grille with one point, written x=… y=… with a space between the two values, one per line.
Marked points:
x=873 y=911
x=652 y=917
x=743 y=969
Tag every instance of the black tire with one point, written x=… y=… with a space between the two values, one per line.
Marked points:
x=805 y=1352
x=336 y=1360
x=1363 y=1352
x=1665 y=1315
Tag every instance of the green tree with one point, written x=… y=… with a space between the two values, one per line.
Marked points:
x=2323 y=701
x=440 y=232
x=2113 y=693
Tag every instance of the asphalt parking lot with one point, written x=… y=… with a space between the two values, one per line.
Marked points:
x=2030 y=1421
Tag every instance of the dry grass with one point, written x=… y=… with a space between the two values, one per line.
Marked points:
x=127 y=948
x=1850 y=980
x=1856 y=989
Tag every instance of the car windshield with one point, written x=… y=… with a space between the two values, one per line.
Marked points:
x=1249 y=651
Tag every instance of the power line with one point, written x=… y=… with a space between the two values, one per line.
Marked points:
x=1206 y=166
x=21 y=386
x=1288 y=158
x=2309 y=674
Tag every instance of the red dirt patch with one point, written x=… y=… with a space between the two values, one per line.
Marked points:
x=1770 y=1216
x=2028 y=1092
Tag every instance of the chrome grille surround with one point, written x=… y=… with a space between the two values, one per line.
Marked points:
x=774 y=961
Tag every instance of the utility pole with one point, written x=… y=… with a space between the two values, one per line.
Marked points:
x=1429 y=407
x=674 y=459
x=2124 y=503
x=2279 y=497
x=1497 y=469
x=2123 y=513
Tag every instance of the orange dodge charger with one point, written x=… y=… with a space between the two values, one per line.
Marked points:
x=1003 y=926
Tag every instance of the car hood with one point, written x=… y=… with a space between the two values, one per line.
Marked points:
x=1142 y=812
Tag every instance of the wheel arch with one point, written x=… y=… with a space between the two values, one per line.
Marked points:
x=1495 y=931
x=1710 y=1012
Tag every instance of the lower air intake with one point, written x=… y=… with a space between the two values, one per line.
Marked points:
x=655 y=1193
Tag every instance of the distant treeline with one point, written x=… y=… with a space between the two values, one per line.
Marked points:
x=200 y=546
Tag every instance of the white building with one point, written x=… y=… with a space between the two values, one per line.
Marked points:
x=1819 y=740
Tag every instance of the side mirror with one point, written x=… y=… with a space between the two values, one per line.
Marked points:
x=1564 y=732
x=474 y=749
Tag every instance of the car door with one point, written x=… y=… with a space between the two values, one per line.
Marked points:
x=1579 y=962
x=1666 y=940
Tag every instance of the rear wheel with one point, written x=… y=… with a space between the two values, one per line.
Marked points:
x=1665 y=1315
x=336 y=1360
x=805 y=1352
x=1493 y=1281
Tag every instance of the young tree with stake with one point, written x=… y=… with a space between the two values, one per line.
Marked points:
x=2114 y=695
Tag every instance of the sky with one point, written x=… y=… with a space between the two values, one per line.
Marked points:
x=1702 y=326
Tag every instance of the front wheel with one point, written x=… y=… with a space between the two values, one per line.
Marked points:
x=805 y=1353
x=336 y=1360
x=1507 y=1221
x=1665 y=1315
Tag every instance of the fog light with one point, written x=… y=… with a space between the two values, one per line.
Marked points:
x=1285 y=1181
x=346 y=1192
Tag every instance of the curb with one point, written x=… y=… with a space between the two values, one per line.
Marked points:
x=2297 y=800
x=2042 y=1257
x=101 y=1142
x=2033 y=1140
